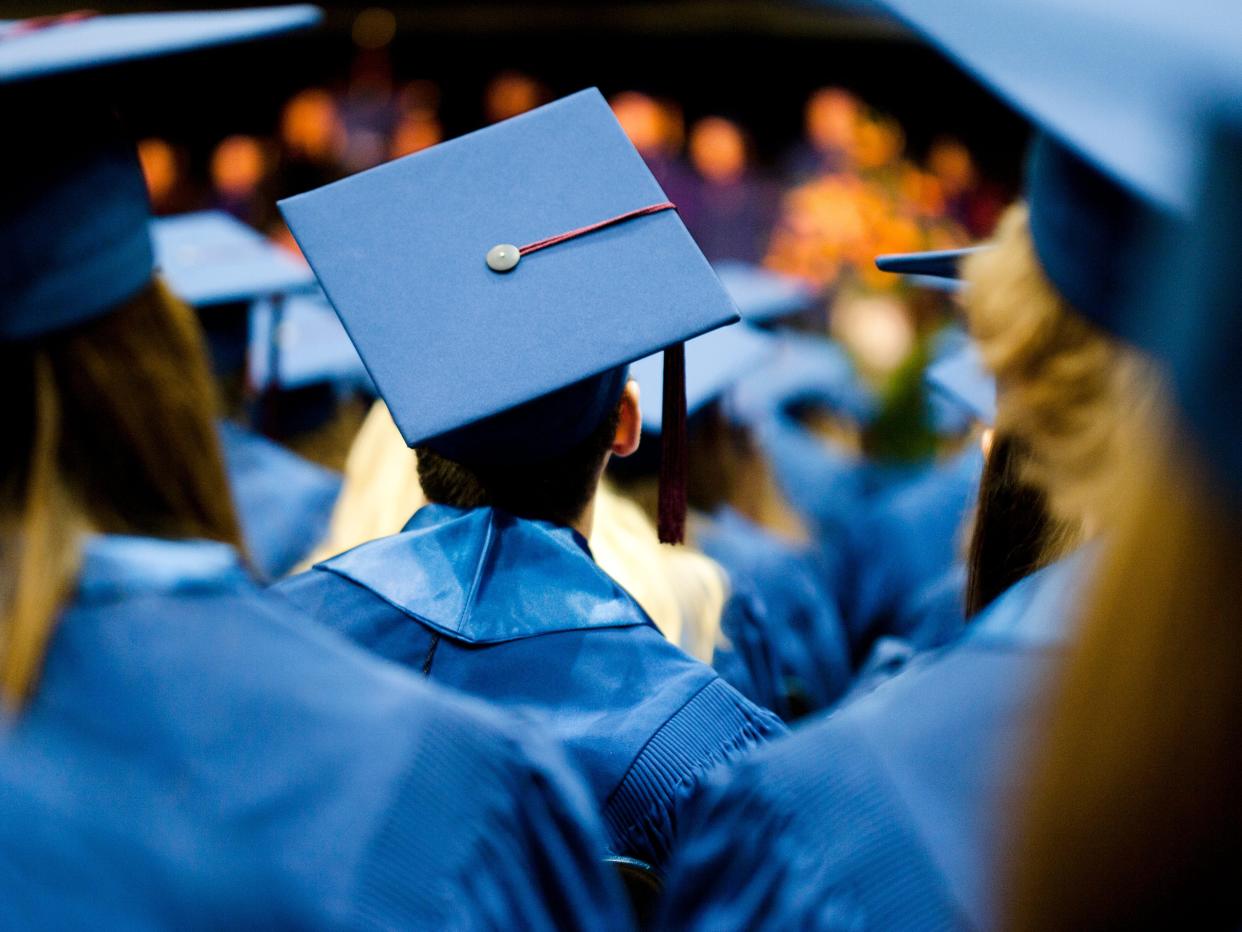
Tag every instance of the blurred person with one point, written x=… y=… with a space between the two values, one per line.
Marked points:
x=1128 y=814
x=511 y=93
x=894 y=811
x=164 y=718
x=515 y=395
x=971 y=202
x=368 y=107
x=312 y=141
x=785 y=644
x=221 y=268
x=163 y=168
x=832 y=117
x=910 y=589
x=971 y=701
x=733 y=209
x=418 y=125
x=415 y=131
x=680 y=589
x=240 y=170
x=657 y=133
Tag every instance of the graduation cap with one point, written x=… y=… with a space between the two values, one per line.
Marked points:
x=210 y=257
x=74 y=241
x=498 y=284
x=761 y=295
x=715 y=362
x=928 y=269
x=1111 y=87
x=961 y=378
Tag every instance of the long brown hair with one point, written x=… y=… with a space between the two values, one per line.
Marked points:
x=1132 y=816
x=1014 y=533
x=111 y=430
x=1061 y=388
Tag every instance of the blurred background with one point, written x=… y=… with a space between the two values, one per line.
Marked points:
x=804 y=137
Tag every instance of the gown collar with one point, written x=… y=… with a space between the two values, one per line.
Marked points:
x=1037 y=611
x=116 y=566
x=482 y=576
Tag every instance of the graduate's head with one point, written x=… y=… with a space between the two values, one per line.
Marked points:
x=110 y=429
x=542 y=460
x=520 y=266
x=1130 y=812
x=1064 y=386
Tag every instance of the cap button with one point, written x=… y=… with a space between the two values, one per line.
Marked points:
x=503 y=257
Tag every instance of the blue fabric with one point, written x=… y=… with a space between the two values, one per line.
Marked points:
x=935 y=616
x=828 y=488
x=887 y=813
x=99 y=41
x=1198 y=340
x=516 y=612
x=284 y=502
x=782 y=616
x=400 y=251
x=210 y=258
x=963 y=378
x=197 y=755
x=906 y=540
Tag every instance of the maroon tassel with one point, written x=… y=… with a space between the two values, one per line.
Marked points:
x=673 y=448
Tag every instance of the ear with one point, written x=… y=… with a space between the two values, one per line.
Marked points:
x=630 y=424
x=985 y=441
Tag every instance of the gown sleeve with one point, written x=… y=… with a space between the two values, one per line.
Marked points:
x=488 y=834
x=806 y=835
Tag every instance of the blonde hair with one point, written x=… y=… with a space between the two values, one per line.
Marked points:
x=1131 y=815
x=684 y=592
x=111 y=430
x=1063 y=387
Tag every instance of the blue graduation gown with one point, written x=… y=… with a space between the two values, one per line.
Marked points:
x=517 y=612
x=885 y=814
x=284 y=501
x=199 y=756
x=907 y=541
x=781 y=615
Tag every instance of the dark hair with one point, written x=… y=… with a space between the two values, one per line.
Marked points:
x=557 y=489
x=111 y=428
x=1014 y=531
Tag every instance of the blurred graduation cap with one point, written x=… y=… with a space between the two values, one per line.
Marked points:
x=807 y=369
x=1110 y=86
x=1191 y=315
x=938 y=270
x=715 y=362
x=961 y=378
x=498 y=284
x=300 y=343
x=761 y=295
x=210 y=257
x=74 y=242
